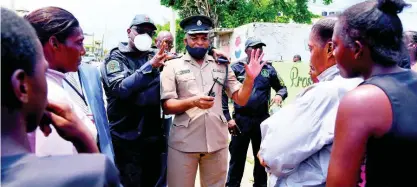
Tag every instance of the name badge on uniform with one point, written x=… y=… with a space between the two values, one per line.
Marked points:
x=218 y=71
x=184 y=72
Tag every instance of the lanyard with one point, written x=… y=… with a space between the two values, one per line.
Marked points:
x=76 y=90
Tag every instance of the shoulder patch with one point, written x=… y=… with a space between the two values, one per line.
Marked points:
x=265 y=73
x=113 y=66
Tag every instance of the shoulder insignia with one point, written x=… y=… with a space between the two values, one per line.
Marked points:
x=265 y=73
x=113 y=66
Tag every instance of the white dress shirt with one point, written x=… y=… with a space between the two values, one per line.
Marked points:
x=296 y=141
x=54 y=144
x=76 y=90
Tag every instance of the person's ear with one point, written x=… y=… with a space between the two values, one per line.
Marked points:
x=358 y=49
x=330 y=49
x=53 y=42
x=247 y=51
x=20 y=86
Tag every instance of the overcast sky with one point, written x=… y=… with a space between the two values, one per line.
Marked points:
x=108 y=17
x=408 y=16
x=112 y=18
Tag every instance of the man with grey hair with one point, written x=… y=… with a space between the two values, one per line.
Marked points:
x=165 y=36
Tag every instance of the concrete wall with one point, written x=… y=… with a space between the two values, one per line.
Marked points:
x=224 y=42
x=283 y=41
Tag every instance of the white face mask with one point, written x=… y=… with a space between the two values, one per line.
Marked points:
x=143 y=42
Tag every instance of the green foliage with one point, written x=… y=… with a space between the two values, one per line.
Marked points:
x=234 y=13
x=326 y=2
x=179 y=38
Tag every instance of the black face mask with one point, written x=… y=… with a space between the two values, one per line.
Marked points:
x=197 y=53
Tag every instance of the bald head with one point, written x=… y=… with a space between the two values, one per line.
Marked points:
x=167 y=36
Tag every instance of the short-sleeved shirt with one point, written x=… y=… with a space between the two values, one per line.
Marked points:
x=198 y=130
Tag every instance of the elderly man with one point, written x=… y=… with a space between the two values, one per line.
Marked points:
x=164 y=36
x=297 y=140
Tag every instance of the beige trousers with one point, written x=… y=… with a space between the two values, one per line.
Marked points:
x=182 y=168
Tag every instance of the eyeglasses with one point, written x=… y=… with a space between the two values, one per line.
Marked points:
x=139 y=30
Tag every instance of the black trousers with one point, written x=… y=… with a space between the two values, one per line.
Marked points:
x=162 y=182
x=251 y=131
x=139 y=161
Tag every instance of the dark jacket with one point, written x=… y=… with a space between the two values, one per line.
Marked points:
x=132 y=89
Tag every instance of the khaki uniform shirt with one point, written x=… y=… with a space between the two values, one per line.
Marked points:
x=197 y=130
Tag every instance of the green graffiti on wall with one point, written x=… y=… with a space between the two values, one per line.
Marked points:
x=295 y=76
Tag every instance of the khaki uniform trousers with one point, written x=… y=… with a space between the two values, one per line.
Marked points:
x=182 y=168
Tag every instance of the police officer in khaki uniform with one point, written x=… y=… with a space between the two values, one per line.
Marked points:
x=191 y=88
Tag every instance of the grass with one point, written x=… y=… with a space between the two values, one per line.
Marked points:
x=250 y=160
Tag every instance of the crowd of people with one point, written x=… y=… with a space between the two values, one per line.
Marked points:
x=150 y=117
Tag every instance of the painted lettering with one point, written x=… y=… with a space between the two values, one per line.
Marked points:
x=297 y=80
